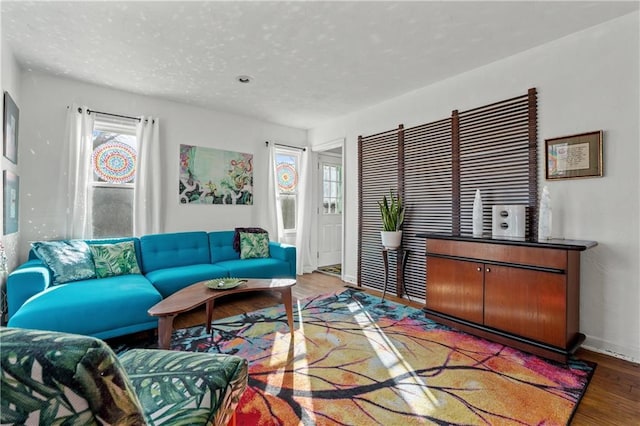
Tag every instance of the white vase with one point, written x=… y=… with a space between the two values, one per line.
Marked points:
x=544 y=215
x=391 y=239
x=477 y=215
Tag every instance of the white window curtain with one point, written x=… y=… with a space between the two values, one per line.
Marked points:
x=147 y=195
x=276 y=223
x=304 y=216
x=76 y=152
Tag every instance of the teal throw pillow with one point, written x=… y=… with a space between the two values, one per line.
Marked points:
x=254 y=245
x=68 y=260
x=115 y=259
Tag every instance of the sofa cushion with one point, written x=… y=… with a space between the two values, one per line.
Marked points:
x=256 y=268
x=170 y=280
x=117 y=304
x=68 y=260
x=254 y=245
x=114 y=259
x=221 y=246
x=162 y=251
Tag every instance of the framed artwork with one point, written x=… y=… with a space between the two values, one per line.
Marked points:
x=11 y=195
x=213 y=176
x=574 y=156
x=10 y=129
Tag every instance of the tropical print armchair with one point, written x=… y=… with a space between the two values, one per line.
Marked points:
x=57 y=378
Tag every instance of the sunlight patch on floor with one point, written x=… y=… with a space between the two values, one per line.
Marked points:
x=410 y=387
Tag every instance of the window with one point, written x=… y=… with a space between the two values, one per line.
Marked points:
x=113 y=169
x=331 y=189
x=287 y=166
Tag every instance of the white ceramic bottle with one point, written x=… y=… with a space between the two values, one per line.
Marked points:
x=544 y=216
x=477 y=215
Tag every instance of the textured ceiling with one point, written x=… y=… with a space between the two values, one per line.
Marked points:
x=311 y=61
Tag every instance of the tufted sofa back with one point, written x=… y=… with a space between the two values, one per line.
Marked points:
x=161 y=251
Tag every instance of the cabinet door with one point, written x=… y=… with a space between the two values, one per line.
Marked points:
x=527 y=303
x=454 y=287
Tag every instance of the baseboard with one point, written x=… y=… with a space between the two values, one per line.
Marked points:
x=607 y=348
x=350 y=279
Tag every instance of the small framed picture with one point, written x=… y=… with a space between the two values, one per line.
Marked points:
x=11 y=195
x=575 y=156
x=10 y=129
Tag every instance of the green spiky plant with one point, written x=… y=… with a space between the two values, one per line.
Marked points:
x=392 y=212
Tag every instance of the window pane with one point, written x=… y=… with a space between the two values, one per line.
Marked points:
x=287 y=169
x=114 y=157
x=112 y=212
x=288 y=205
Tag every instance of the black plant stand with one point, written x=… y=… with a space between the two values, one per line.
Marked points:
x=401 y=262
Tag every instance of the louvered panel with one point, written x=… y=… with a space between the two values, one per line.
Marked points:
x=427 y=193
x=439 y=167
x=378 y=175
x=494 y=158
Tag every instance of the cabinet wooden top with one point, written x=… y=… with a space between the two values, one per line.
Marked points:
x=522 y=242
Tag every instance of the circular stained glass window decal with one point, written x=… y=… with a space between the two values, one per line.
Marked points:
x=287 y=177
x=114 y=162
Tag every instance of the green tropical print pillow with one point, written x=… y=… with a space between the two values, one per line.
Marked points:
x=254 y=245
x=53 y=378
x=115 y=259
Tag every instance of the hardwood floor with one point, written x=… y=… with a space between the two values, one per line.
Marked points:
x=612 y=398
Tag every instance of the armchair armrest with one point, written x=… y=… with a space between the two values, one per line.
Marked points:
x=185 y=387
x=30 y=278
x=284 y=252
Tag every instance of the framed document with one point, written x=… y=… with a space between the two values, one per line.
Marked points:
x=574 y=156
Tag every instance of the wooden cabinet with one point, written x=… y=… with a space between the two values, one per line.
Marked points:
x=522 y=294
x=460 y=291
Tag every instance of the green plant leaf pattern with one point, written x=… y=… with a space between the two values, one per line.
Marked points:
x=254 y=245
x=115 y=259
x=60 y=378
x=186 y=388
x=51 y=378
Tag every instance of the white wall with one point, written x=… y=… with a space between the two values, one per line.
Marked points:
x=42 y=118
x=11 y=83
x=587 y=81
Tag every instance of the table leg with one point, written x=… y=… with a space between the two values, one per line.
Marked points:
x=165 y=327
x=385 y=259
x=209 y=314
x=288 y=304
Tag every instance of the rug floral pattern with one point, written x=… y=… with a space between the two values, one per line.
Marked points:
x=357 y=361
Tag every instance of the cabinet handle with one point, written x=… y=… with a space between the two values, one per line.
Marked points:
x=479 y=269
x=488 y=269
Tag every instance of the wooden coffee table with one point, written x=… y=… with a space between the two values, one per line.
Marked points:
x=198 y=294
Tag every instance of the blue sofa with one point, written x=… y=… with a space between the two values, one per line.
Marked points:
x=118 y=305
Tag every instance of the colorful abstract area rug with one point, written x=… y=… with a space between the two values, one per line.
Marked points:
x=356 y=361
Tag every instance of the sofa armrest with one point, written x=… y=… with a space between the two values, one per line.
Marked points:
x=184 y=387
x=284 y=252
x=28 y=279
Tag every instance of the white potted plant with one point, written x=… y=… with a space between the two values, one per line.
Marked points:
x=392 y=213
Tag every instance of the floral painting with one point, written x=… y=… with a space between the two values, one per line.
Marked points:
x=213 y=176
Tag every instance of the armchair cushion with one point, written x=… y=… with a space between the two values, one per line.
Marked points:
x=58 y=378
x=184 y=387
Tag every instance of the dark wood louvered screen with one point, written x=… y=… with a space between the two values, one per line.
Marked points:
x=427 y=194
x=495 y=158
x=378 y=174
x=437 y=168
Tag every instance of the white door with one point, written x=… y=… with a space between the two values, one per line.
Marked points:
x=330 y=209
